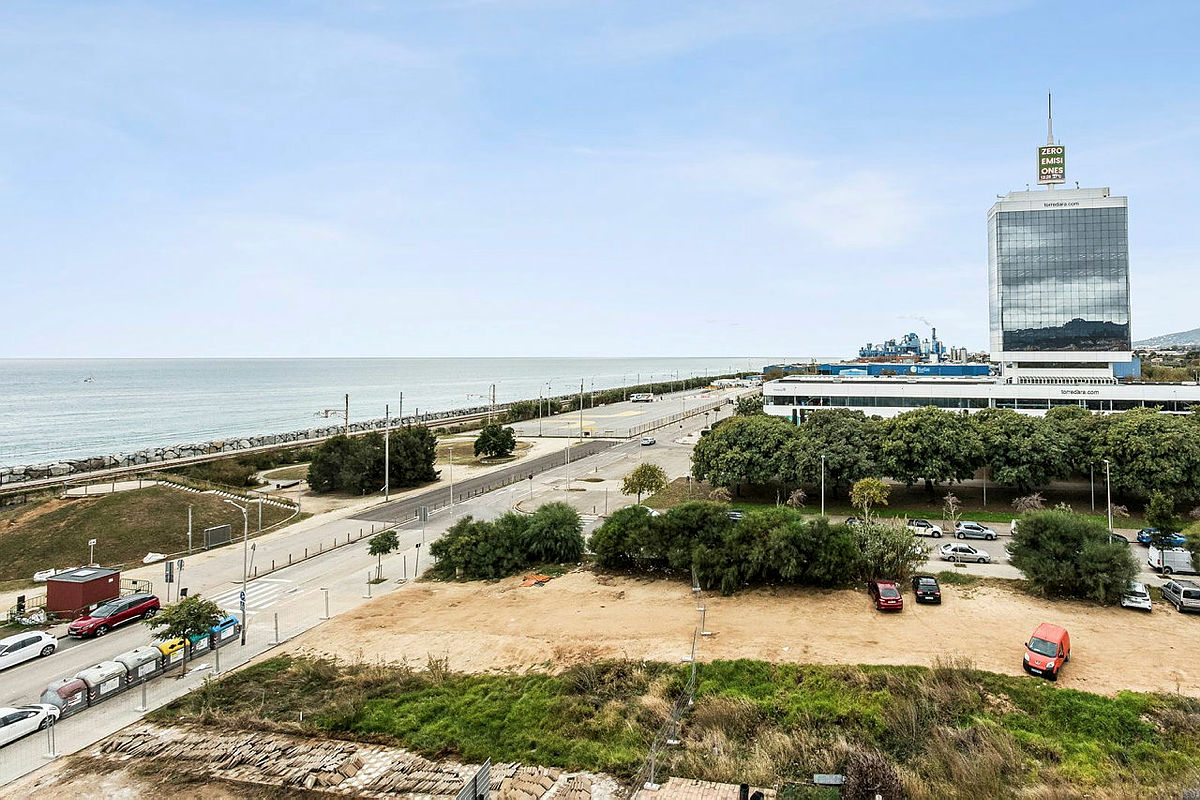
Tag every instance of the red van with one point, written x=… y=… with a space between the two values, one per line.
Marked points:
x=1047 y=650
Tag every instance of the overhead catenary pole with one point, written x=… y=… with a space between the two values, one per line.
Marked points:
x=387 y=462
x=581 y=409
x=1108 y=496
x=822 y=484
x=347 y=415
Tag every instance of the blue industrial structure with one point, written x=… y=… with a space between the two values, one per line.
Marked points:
x=884 y=368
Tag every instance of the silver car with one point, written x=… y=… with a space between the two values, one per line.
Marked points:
x=973 y=530
x=963 y=552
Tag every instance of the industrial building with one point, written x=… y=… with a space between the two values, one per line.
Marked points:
x=1059 y=320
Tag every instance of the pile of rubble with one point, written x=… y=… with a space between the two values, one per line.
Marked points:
x=336 y=767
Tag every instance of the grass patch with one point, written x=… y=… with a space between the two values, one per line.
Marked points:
x=297 y=473
x=463 y=452
x=947 y=732
x=678 y=491
x=957 y=578
x=126 y=525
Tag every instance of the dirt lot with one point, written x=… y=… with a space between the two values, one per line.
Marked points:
x=501 y=626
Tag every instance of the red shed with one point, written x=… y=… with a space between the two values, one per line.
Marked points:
x=69 y=593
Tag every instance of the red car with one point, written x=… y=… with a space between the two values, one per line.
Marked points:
x=886 y=595
x=103 y=618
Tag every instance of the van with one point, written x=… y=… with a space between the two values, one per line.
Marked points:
x=1173 y=559
x=1183 y=594
x=1047 y=651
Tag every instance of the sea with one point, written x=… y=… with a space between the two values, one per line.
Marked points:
x=57 y=409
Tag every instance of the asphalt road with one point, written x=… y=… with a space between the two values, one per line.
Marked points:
x=618 y=419
x=406 y=509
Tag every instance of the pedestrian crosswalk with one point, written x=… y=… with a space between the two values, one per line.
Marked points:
x=261 y=594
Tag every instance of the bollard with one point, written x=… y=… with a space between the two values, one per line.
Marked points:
x=368 y=594
x=289 y=559
x=276 y=639
x=405 y=566
x=256 y=570
x=306 y=552
x=217 y=663
x=51 y=752
x=272 y=565
x=144 y=707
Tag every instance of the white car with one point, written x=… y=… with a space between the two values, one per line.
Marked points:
x=1137 y=596
x=648 y=440
x=22 y=647
x=963 y=552
x=18 y=722
x=923 y=527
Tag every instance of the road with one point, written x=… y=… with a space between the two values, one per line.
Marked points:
x=627 y=418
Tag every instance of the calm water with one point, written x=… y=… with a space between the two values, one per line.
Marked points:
x=48 y=411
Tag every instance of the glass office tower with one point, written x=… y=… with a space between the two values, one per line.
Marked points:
x=1058 y=279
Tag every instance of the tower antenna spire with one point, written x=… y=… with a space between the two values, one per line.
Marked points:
x=1049 y=118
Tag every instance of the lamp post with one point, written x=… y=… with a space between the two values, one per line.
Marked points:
x=822 y=484
x=1108 y=496
x=245 y=562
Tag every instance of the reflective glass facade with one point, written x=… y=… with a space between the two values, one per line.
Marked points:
x=1059 y=280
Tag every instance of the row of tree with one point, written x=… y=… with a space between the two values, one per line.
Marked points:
x=775 y=545
x=1147 y=451
x=488 y=549
x=356 y=464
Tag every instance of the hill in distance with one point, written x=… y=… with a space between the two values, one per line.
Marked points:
x=1183 y=339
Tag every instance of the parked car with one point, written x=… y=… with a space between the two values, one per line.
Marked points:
x=1146 y=535
x=1116 y=537
x=926 y=589
x=1183 y=594
x=973 y=530
x=923 y=527
x=654 y=512
x=1047 y=651
x=21 y=647
x=1136 y=596
x=107 y=616
x=963 y=552
x=734 y=514
x=1176 y=559
x=886 y=595
x=854 y=521
x=648 y=440
x=18 y=722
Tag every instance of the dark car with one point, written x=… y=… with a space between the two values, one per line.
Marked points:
x=854 y=521
x=886 y=595
x=926 y=589
x=103 y=618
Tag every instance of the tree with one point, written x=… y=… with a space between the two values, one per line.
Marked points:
x=951 y=508
x=356 y=464
x=1151 y=451
x=1075 y=428
x=847 y=439
x=720 y=495
x=619 y=542
x=749 y=406
x=648 y=478
x=495 y=441
x=867 y=493
x=742 y=450
x=797 y=498
x=482 y=550
x=380 y=545
x=886 y=551
x=1069 y=555
x=191 y=617
x=1019 y=450
x=555 y=533
x=524 y=409
x=932 y=445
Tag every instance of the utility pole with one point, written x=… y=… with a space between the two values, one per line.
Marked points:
x=451 y=479
x=400 y=416
x=245 y=560
x=347 y=417
x=822 y=484
x=492 y=407
x=387 y=456
x=1108 y=496
x=581 y=409
x=189 y=530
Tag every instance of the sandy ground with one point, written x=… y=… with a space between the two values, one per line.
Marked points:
x=489 y=627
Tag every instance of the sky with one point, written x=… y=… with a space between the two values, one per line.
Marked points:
x=560 y=178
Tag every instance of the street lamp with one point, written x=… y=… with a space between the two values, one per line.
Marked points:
x=822 y=484
x=1108 y=496
x=245 y=562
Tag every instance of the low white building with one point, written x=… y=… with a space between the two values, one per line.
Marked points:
x=794 y=396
